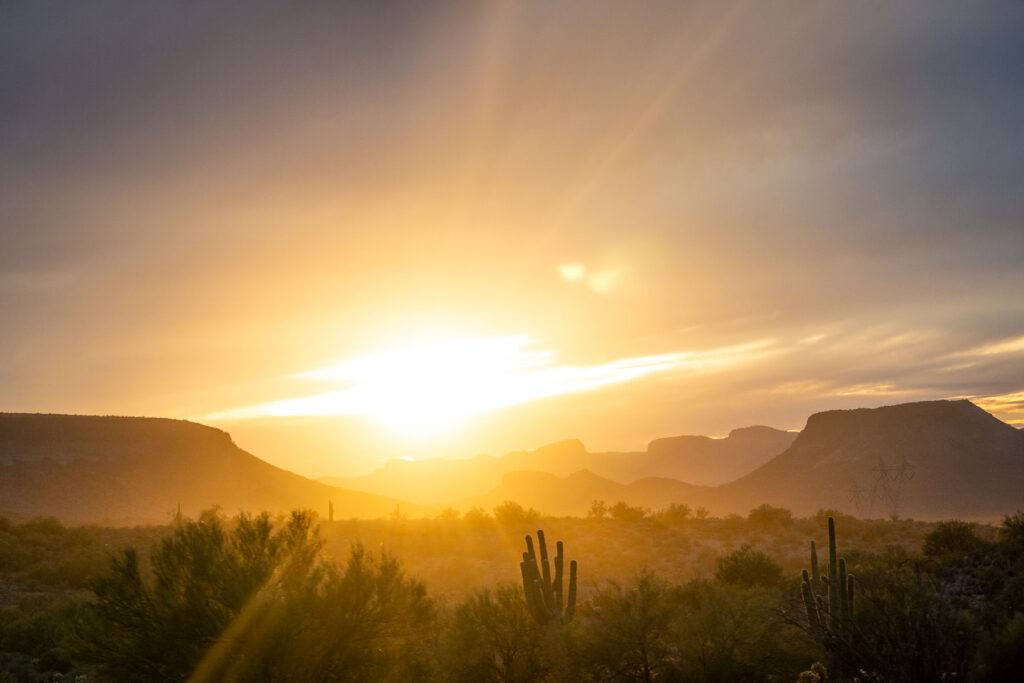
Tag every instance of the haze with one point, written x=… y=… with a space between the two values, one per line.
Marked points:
x=354 y=231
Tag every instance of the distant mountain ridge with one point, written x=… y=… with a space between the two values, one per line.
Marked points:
x=927 y=460
x=129 y=470
x=932 y=459
x=693 y=459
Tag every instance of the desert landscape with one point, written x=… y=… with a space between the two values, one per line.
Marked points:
x=534 y=341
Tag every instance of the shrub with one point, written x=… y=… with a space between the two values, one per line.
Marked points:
x=748 y=567
x=511 y=513
x=769 y=517
x=203 y=576
x=491 y=637
x=629 y=635
x=624 y=512
x=676 y=513
x=477 y=518
x=950 y=539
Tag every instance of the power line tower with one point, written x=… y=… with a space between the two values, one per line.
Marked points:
x=859 y=497
x=889 y=483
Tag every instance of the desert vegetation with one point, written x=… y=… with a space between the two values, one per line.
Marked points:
x=656 y=595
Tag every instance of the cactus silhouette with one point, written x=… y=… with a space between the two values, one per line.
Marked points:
x=544 y=593
x=830 y=615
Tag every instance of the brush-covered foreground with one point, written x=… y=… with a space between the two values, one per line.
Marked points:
x=669 y=596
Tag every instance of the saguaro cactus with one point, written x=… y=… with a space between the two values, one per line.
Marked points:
x=544 y=594
x=830 y=615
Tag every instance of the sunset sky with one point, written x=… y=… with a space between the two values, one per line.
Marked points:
x=351 y=231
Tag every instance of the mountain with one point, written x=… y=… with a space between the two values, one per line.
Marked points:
x=928 y=460
x=127 y=470
x=693 y=459
x=707 y=461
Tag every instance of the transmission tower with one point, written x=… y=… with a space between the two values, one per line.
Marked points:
x=859 y=498
x=889 y=483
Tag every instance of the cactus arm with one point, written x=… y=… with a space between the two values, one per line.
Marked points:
x=570 y=608
x=810 y=607
x=544 y=597
x=849 y=596
x=844 y=604
x=531 y=587
x=833 y=571
x=559 y=566
x=549 y=595
x=814 y=569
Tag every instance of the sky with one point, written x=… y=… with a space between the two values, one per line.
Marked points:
x=352 y=231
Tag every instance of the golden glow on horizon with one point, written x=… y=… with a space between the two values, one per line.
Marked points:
x=1007 y=407
x=429 y=388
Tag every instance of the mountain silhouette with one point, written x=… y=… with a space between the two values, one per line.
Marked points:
x=693 y=459
x=928 y=460
x=129 y=470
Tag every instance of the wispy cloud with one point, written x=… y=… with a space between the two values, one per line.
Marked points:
x=1002 y=347
x=1007 y=407
x=451 y=379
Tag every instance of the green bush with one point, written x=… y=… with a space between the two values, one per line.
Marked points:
x=624 y=512
x=492 y=637
x=748 y=567
x=770 y=518
x=950 y=540
x=511 y=513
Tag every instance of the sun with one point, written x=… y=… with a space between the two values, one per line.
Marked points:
x=427 y=388
x=432 y=387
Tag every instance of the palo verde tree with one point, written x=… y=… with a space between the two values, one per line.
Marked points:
x=248 y=600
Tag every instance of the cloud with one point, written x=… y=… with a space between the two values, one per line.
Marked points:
x=1004 y=346
x=1008 y=407
x=456 y=378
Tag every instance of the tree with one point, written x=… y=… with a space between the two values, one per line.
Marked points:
x=629 y=634
x=676 y=513
x=949 y=540
x=769 y=517
x=511 y=513
x=748 y=567
x=477 y=518
x=625 y=512
x=253 y=602
x=361 y=621
x=203 y=576
x=492 y=637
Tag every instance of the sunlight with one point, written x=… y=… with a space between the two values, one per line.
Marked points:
x=429 y=388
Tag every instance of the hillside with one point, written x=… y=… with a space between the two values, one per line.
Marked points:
x=928 y=460
x=127 y=470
